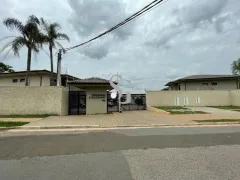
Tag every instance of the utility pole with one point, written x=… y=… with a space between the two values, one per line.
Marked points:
x=59 y=67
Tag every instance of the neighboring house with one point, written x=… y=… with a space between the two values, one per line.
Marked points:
x=205 y=82
x=37 y=78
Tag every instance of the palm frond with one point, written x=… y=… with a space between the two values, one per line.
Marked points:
x=13 y=23
x=55 y=26
x=7 y=38
x=6 y=46
x=33 y=20
x=44 y=25
x=17 y=44
x=62 y=36
x=7 y=53
x=61 y=47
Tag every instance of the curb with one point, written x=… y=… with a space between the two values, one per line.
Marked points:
x=120 y=126
x=9 y=128
x=58 y=127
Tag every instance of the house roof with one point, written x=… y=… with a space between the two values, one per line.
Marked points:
x=44 y=71
x=203 y=77
x=92 y=80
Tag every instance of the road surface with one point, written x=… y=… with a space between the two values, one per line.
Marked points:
x=142 y=154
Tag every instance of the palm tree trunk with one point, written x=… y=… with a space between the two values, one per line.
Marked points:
x=51 y=57
x=27 y=80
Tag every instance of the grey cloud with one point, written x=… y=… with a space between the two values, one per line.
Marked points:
x=93 y=17
x=193 y=15
x=90 y=18
x=163 y=37
x=199 y=11
x=96 y=53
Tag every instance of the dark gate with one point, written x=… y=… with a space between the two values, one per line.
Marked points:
x=77 y=103
x=112 y=104
x=138 y=102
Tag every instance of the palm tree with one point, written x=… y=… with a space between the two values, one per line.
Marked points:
x=5 y=68
x=52 y=34
x=236 y=67
x=30 y=37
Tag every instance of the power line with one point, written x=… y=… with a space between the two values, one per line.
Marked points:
x=134 y=16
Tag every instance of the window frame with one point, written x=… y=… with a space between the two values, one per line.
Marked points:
x=15 y=80
x=22 y=80
x=214 y=83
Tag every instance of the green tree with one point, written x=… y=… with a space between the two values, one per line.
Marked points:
x=30 y=37
x=236 y=67
x=5 y=68
x=51 y=35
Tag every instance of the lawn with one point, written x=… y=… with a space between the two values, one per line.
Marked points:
x=220 y=120
x=25 y=116
x=11 y=124
x=226 y=107
x=179 y=110
x=168 y=108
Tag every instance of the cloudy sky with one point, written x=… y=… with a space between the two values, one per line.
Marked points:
x=177 y=39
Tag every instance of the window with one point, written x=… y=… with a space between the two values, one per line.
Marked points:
x=214 y=84
x=15 y=80
x=205 y=84
x=53 y=82
x=22 y=80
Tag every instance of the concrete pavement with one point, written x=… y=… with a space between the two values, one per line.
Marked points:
x=128 y=119
x=148 y=153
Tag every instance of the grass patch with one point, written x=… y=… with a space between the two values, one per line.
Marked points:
x=187 y=112
x=25 y=116
x=226 y=107
x=168 y=108
x=236 y=110
x=220 y=120
x=12 y=124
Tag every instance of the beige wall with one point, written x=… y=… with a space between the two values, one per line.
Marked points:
x=34 y=100
x=34 y=80
x=64 y=101
x=207 y=98
x=235 y=98
x=96 y=106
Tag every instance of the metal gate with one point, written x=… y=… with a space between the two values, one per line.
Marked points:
x=77 y=103
x=112 y=104
x=138 y=102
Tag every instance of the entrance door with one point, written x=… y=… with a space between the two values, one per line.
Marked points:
x=77 y=103
x=112 y=104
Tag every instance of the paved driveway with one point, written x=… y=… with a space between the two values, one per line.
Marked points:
x=129 y=118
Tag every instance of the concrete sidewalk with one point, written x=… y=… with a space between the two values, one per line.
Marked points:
x=20 y=119
x=125 y=119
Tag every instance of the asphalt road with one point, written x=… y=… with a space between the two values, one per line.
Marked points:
x=151 y=153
